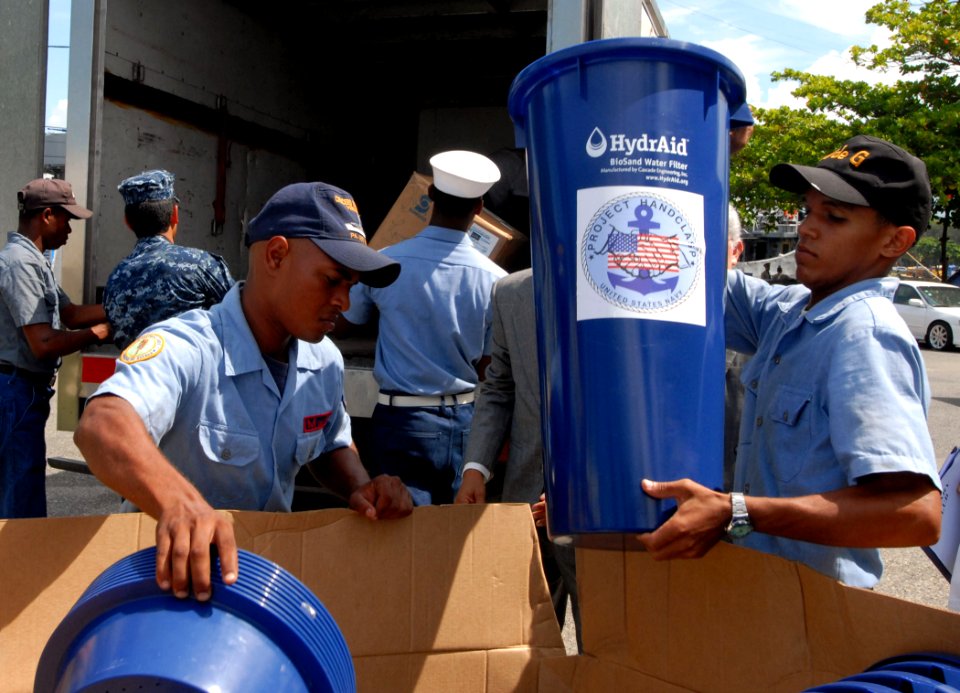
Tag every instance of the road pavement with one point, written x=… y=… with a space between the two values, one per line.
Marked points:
x=908 y=573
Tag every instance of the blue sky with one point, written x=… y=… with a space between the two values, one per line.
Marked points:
x=759 y=36
x=57 y=63
x=764 y=36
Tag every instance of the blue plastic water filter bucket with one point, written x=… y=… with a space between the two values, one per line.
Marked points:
x=627 y=145
x=941 y=667
x=918 y=672
x=266 y=632
x=903 y=681
x=851 y=687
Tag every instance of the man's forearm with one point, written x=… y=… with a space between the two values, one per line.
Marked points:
x=48 y=343
x=77 y=316
x=341 y=471
x=120 y=452
x=889 y=510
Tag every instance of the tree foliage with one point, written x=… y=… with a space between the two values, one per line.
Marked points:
x=927 y=251
x=920 y=112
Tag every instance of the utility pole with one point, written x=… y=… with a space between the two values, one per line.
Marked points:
x=951 y=202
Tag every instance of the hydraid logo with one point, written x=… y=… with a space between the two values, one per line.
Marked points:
x=596 y=143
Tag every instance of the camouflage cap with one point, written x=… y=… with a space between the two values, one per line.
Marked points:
x=149 y=186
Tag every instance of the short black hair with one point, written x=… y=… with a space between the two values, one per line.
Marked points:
x=27 y=214
x=149 y=218
x=452 y=205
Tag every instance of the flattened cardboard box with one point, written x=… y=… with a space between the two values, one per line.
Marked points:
x=410 y=214
x=736 y=620
x=451 y=598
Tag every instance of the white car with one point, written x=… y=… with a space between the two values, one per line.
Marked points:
x=931 y=311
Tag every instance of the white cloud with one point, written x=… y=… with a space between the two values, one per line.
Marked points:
x=812 y=36
x=753 y=56
x=842 y=17
x=834 y=64
x=57 y=117
x=675 y=14
x=780 y=94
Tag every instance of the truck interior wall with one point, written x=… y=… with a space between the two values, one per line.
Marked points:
x=482 y=129
x=140 y=140
x=205 y=50
x=305 y=93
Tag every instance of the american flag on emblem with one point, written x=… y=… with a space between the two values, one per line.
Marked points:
x=645 y=251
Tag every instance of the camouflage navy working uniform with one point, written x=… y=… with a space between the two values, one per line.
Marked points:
x=159 y=279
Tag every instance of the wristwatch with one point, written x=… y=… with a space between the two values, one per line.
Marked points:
x=739 y=526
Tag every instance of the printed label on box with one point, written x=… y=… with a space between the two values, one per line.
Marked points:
x=483 y=240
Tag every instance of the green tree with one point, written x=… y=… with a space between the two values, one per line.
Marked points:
x=920 y=112
x=782 y=134
x=927 y=251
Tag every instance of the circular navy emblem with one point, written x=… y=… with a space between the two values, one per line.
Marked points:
x=641 y=253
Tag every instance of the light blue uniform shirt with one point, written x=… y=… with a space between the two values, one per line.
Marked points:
x=435 y=319
x=210 y=402
x=833 y=394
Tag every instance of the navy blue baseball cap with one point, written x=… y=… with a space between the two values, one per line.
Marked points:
x=149 y=186
x=328 y=216
x=741 y=117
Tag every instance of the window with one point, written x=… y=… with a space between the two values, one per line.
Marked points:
x=904 y=293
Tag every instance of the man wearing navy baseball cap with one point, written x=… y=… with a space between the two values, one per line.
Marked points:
x=221 y=408
x=328 y=216
x=834 y=457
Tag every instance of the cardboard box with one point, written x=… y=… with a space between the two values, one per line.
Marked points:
x=736 y=620
x=450 y=599
x=453 y=599
x=411 y=212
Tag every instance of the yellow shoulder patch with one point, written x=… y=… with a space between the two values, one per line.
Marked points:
x=143 y=348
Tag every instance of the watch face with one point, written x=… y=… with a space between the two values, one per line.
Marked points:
x=738 y=531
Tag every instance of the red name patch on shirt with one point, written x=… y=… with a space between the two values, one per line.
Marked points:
x=315 y=422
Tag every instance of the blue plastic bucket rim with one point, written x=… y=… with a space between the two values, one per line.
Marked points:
x=600 y=50
x=129 y=581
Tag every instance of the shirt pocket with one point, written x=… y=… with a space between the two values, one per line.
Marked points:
x=310 y=447
x=230 y=446
x=789 y=431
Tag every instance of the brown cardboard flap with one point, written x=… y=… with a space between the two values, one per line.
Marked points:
x=584 y=673
x=740 y=620
x=446 y=578
x=515 y=669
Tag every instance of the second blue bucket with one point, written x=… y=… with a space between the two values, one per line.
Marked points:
x=627 y=146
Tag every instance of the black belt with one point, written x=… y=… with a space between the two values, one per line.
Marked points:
x=34 y=377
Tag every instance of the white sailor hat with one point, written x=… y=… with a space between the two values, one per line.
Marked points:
x=463 y=174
